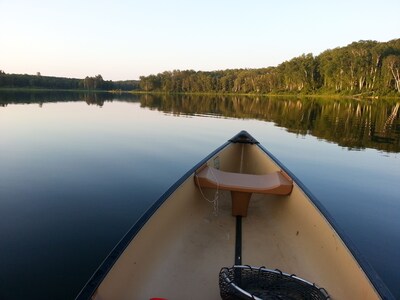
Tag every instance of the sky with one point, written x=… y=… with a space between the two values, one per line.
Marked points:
x=124 y=40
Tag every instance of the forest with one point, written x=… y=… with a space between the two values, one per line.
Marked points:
x=361 y=68
x=61 y=83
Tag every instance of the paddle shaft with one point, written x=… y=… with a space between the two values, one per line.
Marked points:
x=238 y=243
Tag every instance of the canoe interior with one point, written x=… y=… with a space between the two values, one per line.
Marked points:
x=179 y=252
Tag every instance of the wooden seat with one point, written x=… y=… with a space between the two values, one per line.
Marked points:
x=243 y=185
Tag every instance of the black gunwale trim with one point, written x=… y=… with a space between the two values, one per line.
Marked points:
x=98 y=276
x=375 y=279
x=243 y=137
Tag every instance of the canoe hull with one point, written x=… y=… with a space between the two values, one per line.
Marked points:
x=178 y=248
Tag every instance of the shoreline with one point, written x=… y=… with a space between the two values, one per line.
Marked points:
x=330 y=96
x=139 y=92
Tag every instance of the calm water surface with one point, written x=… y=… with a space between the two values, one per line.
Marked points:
x=77 y=171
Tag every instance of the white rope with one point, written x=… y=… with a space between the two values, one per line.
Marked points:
x=216 y=195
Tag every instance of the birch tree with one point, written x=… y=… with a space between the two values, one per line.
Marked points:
x=393 y=63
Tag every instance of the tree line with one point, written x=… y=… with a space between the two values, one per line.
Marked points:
x=50 y=82
x=364 y=67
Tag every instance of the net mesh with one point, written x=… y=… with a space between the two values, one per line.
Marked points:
x=245 y=282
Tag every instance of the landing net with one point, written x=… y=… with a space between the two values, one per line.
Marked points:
x=245 y=282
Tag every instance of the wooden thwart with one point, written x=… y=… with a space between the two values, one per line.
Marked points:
x=243 y=185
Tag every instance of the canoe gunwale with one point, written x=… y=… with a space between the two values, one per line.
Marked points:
x=369 y=271
x=93 y=283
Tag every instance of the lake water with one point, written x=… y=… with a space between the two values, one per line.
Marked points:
x=77 y=171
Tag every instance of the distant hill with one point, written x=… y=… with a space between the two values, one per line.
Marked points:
x=361 y=68
x=62 y=83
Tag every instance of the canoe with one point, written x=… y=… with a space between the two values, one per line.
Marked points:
x=233 y=224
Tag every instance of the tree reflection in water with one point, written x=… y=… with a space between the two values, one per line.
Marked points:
x=355 y=124
x=350 y=123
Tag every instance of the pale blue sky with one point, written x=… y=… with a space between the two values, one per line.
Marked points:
x=126 y=39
